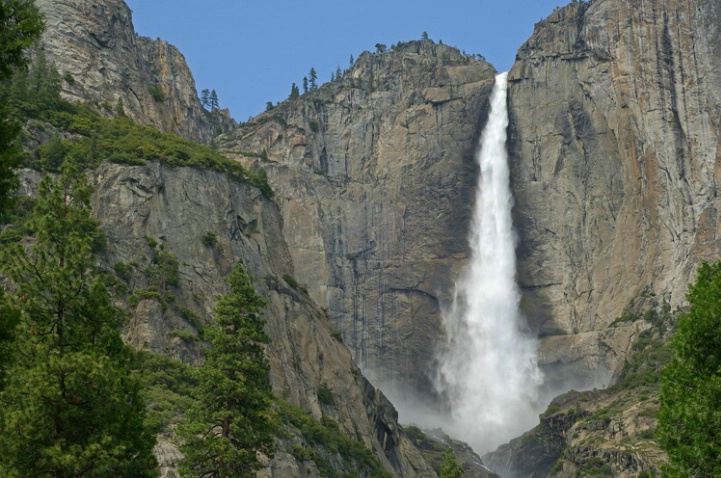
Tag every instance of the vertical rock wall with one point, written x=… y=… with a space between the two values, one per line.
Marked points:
x=615 y=114
x=374 y=175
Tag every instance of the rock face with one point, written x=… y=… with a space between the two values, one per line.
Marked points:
x=374 y=175
x=614 y=144
x=102 y=60
x=177 y=207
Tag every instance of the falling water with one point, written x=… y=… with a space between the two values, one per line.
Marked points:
x=488 y=371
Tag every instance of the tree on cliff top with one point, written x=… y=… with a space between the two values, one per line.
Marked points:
x=231 y=422
x=690 y=415
x=70 y=405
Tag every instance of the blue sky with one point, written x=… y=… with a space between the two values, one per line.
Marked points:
x=251 y=51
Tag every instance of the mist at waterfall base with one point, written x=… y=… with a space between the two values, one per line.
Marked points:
x=487 y=374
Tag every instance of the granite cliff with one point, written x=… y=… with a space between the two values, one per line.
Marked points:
x=374 y=175
x=614 y=147
x=103 y=61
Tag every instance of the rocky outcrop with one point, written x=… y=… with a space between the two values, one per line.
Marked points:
x=586 y=434
x=176 y=208
x=374 y=175
x=614 y=145
x=102 y=61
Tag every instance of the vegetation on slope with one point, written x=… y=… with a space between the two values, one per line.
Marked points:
x=81 y=133
x=690 y=416
x=71 y=405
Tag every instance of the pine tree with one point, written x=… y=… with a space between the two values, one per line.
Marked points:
x=294 y=92
x=313 y=79
x=70 y=405
x=305 y=84
x=338 y=73
x=690 y=415
x=351 y=60
x=205 y=99
x=21 y=24
x=231 y=422
x=214 y=104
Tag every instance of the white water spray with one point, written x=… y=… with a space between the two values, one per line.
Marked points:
x=488 y=372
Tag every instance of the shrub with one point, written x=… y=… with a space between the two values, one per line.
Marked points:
x=156 y=91
x=210 y=239
x=325 y=395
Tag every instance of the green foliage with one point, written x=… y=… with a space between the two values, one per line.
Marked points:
x=35 y=95
x=312 y=79
x=327 y=434
x=16 y=221
x=290 y=280
x=169 y=388
x=20 y=26
x=596 y=467
x=451 y=468
x=231 y=421
x=294 y=92
x=123 y=270
x=690 y=414
x=156 y=91
x=210 y=239
x=71 y=405
x=163 y=270
x=325 y=394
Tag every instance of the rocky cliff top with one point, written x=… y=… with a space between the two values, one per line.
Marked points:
x=102 y=61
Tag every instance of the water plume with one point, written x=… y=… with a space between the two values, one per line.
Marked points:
x=487 y=371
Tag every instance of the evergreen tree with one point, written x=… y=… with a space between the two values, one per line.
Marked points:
x=294 y=92
x=690 y=415
x=332 y=76
x=20 y=26
x=70 y=405
x=305 y=84
x=351 y=60
x=205 y=99
x=338 y=73
x=214 y=104
x=313 y=79
x=381 y=47
x=231 y=422
x=9 y=319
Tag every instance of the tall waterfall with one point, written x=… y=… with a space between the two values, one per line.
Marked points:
x=488 y=371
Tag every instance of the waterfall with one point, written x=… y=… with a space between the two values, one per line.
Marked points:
x=487 y=371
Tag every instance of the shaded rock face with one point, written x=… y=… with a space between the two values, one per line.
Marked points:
x=615 y=111
x=177 y=207
x=102 y=60
x=374 y=175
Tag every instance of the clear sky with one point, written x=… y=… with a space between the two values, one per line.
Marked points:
x=251 y=51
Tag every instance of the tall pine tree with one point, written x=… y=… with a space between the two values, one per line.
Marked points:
x=231 y=422
x=20 y=26
x=71 y=406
